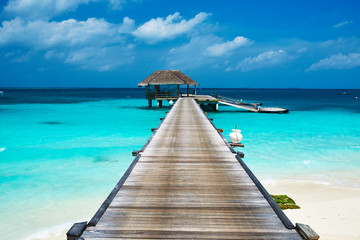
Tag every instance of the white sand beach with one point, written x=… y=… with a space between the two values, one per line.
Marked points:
x=333 y=212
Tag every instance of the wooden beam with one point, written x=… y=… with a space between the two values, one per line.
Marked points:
x=307 y=232
x=76 y=230
x=236 y=144
x=240 y=154
x=135 y=152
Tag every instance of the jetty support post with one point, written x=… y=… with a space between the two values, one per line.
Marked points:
x=149 y=102
x=214 y=106
x=307 y=232
x=187 y=90
x=159 y=103
x=76 y=231
x=178 y=91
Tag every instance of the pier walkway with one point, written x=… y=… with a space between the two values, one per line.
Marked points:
x=187 y=183
x=252 y=107
x=255 y=109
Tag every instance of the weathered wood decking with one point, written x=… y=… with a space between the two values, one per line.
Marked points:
x=187 y=184
x=254 y=109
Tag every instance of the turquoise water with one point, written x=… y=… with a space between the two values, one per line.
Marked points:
x=62 y=151
x=60 y=161
x=318 y=146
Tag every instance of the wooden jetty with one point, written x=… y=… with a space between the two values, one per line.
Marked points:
x=253 y=107
x=188 y=183
x=256 y=109
x=165 y=85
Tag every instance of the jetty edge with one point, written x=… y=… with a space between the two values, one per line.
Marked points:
x=252 y=107
x=188 y=182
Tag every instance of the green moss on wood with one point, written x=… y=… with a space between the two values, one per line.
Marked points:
x=285 y=202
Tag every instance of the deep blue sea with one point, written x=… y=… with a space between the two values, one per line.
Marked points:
x=63 y=150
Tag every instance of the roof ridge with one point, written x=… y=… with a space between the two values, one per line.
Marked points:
x=173 y=73
x=160 y=72
x=160 y=77
x=187 y=79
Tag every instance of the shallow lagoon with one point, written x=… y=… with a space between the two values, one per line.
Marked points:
x=62 y=151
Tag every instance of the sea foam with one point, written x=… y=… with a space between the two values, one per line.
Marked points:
x=51 y=232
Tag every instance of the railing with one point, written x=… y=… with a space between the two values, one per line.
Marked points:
x=162 y=94
x=184 y=93
x=154 y=95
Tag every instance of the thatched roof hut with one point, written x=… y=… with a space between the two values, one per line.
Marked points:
x=167 y=77
x=165 y=85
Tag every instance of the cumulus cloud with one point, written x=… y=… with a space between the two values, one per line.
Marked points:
x=206 y=48
x=341 y=24
x=267 y=59
x=226 y=47
x=160 y=29
x=41 y=34
x=70 y=40
x=339 y=61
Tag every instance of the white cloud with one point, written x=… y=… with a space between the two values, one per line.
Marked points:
x=172 y=26
x=20 y=58
x=226 y=47
x=335 y=46
x=101 y=59
x=117 y=4
x=302 y=50
x=94 y=58
x=94 y=43
x=267 y=59
x=192 y=54
x=127 y=26
x=45 y=9
x=343 y=23
x=41 y=9
x=43 y=35
x=339 y=61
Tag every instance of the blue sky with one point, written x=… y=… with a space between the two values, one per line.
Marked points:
x=233 y=44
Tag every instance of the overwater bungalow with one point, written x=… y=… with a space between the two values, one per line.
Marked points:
x=166 y=85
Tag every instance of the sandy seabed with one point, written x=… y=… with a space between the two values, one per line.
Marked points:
x=333 y=212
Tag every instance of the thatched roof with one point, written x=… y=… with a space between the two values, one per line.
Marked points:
x=167 y=77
